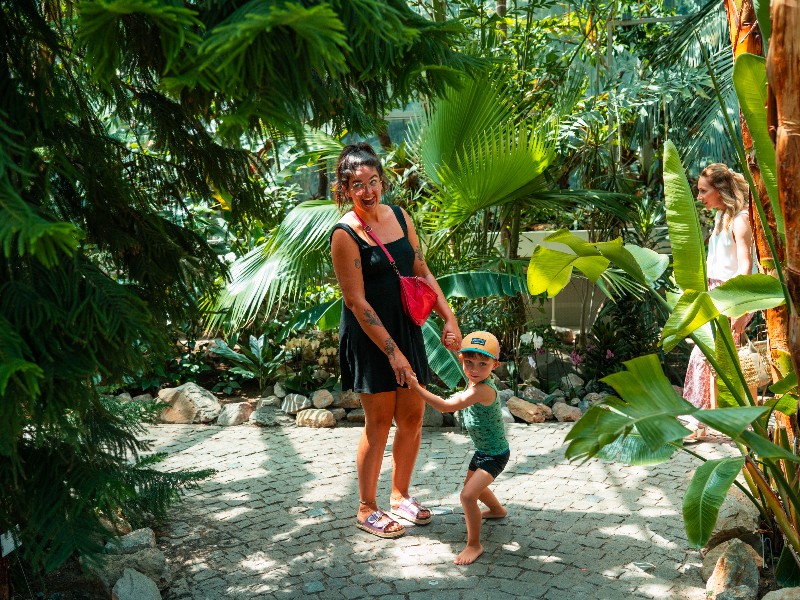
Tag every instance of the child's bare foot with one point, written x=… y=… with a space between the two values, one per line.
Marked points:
x=469 y=555
x=494 y=514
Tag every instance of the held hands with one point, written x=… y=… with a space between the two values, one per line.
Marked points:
x=451 y=336
x=411 y=381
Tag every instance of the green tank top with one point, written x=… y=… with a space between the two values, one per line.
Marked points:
x=485 y=425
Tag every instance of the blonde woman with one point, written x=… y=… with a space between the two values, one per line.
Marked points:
x=730 y=253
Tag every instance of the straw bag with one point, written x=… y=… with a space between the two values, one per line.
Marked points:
x=754 y=359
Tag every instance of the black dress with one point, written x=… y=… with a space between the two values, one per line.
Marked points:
x=365 y=368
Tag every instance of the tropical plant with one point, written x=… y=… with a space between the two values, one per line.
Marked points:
x=260 y=359
x=115 y=117
x=641 y=425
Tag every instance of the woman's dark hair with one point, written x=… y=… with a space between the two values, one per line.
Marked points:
x=351 y=158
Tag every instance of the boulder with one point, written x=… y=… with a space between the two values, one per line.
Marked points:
x=235 y=414
x=294 y=403
x=279 y=390
x=566 y=413
x=347 y=399
x=534 y=394
x=338 y=413
x=526 y=369
x=141 y=539
x=570 y=382
x=150 y=562
x=268 y=401
x=735 y=568
x=711 y=558
x=322 y=399
x=315 y=417
x=123 y=397
x=143 y=398
x=504 y=395
x=507 y=416
x=266 y=416
x=738 y=518
x=135 y=586
x=189 y=403
x=528 y=411
x=356 y=416
x=792 y=593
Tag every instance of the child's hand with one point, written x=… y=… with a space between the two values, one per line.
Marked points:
x=450 y=342
x=412 y=382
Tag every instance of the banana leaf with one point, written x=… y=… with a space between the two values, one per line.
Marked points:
x=685 y=235
x=705 y=495
x=750 y=81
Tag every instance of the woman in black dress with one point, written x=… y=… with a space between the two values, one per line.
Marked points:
x=379 y=346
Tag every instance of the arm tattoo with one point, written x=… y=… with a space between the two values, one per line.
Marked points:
x=372 y=318
x=389 y=347
x=418 y=252
x=358 y=263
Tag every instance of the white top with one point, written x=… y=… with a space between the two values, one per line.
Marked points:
x=722 y=262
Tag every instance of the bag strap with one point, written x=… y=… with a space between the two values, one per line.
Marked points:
x=371 y=234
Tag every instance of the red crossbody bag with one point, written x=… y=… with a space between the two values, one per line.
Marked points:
x=418 y=296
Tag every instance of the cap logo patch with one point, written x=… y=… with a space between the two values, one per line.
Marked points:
x=479 y=341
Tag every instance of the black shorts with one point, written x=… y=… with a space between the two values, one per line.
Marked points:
x=493 y=465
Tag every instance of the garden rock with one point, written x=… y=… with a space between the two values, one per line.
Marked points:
x=135 y=586
x=792 y=593
x=501 y=372
x=528 y=411
x=347 y=399
x=738 y=518
x=734 y=568
x=740 y=592
x=432 y=417
x=268 y=391
x=507 y=416
x=570 y=382
x=279 y=390
x=504 y=395
x=534 y=394
x=710 y=559
x=320 y=375
x=143 y=398
x=123 y=397
x=316 y=417
x=235 y=414
x=189 y=403
x=584 y=405
x=294 y=403
x=141 y=539
x=356 y=416
x=594 y=398
x=268 y=401
x=565 y=413
x=151 y=562
x=338 y=413
x=322 y=399
x=266 y=416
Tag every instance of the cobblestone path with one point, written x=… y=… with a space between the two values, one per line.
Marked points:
x=277 y=521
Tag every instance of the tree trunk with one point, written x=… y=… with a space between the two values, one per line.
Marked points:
x=500 y=9
x=746 y=37
x=783 y=74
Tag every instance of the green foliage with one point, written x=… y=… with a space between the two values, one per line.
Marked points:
x=258 y=359
x=115 y=119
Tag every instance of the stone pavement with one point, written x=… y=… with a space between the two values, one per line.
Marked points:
x=277 y=521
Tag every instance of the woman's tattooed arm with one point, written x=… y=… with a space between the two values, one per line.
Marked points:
x=389 y=347
x=372 y=318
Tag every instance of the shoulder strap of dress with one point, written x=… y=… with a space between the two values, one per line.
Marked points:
x=350 y=231
x=398 y=212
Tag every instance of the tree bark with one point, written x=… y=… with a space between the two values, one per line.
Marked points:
x=783 y=74
x=746 y=37
x=500 y=9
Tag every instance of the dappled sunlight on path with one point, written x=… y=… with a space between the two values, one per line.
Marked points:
x=278 y=520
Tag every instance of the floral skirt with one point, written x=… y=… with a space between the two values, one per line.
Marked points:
x=699 y=378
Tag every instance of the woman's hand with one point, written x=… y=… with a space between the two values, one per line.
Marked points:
x=401 y=367
x=451 y=335
x=737 y=327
